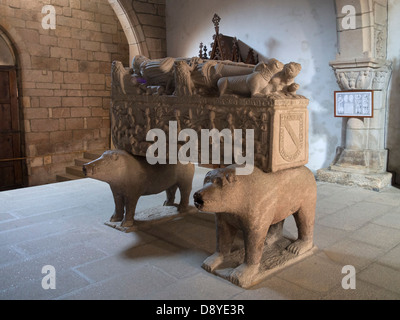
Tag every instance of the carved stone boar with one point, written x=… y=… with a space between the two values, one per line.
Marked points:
x=254 y=203
x=131 y=177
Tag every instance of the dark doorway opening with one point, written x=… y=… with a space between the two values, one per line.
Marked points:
x=11 y=157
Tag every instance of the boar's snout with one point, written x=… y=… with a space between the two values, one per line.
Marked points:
x=198 y=200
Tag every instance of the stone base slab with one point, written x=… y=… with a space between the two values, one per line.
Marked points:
x=149 y=217
x=375 y=182
x=275 y=257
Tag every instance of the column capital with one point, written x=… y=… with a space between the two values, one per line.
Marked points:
x=365 y=74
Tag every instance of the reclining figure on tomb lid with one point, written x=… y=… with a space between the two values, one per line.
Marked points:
x=196 y=76
x=184 y=76
x=153 y=73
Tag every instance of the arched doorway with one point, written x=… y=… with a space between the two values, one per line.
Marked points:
x=132 y=29
x=11 y=156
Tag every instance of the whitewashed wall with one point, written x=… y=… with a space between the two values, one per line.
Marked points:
x=303 y=31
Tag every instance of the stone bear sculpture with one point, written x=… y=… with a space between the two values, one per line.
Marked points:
x=131 y=176
x=253 y=84
x=254 y=203
x=283 y=81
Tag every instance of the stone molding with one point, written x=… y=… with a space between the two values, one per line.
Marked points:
x=366 y=75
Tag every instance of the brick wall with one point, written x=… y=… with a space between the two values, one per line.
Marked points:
x=64 y=77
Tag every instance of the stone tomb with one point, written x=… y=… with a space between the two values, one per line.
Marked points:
x=200 y=94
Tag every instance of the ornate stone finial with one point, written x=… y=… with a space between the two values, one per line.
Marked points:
x=205 y=52
x=216 y=19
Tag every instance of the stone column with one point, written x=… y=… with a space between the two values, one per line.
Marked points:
x=361 y=65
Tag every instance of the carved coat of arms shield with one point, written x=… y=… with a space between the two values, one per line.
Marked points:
x=291 y=136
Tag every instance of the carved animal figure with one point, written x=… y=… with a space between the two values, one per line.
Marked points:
x=283 y=81
x=184 y=85
x=131 y=177
x=253 y=84
x=121 y=79
x=254 y=204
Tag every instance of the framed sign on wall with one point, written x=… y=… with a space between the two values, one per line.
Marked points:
x=354 y=103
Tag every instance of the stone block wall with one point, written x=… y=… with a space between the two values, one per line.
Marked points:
x=64 y=78
x=144 y=24
x=151 y=17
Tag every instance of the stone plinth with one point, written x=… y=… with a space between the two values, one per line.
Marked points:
x=275 y=258
x=376 y=182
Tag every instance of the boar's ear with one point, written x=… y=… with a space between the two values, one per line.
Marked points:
x=207 y=178
x=114 y=156
x=230 y=177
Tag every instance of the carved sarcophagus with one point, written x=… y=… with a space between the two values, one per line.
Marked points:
x=218 y=112
x=251 y=105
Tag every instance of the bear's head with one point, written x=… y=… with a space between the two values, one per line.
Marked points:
x=216 y=194
x=291 y=69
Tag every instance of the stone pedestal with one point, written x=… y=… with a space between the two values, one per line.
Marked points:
x=362 y=158
x=275 y=258
x=148 y=218
x=375 y=182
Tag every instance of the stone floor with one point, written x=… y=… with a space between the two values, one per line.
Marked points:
x=62 y=225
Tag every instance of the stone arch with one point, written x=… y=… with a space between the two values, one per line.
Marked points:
x=18 y=47
x=130 y=24
x=7 y=51
x=13 y=163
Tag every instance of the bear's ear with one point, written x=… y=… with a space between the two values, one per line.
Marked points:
x=278 y=65
x=259 y=66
